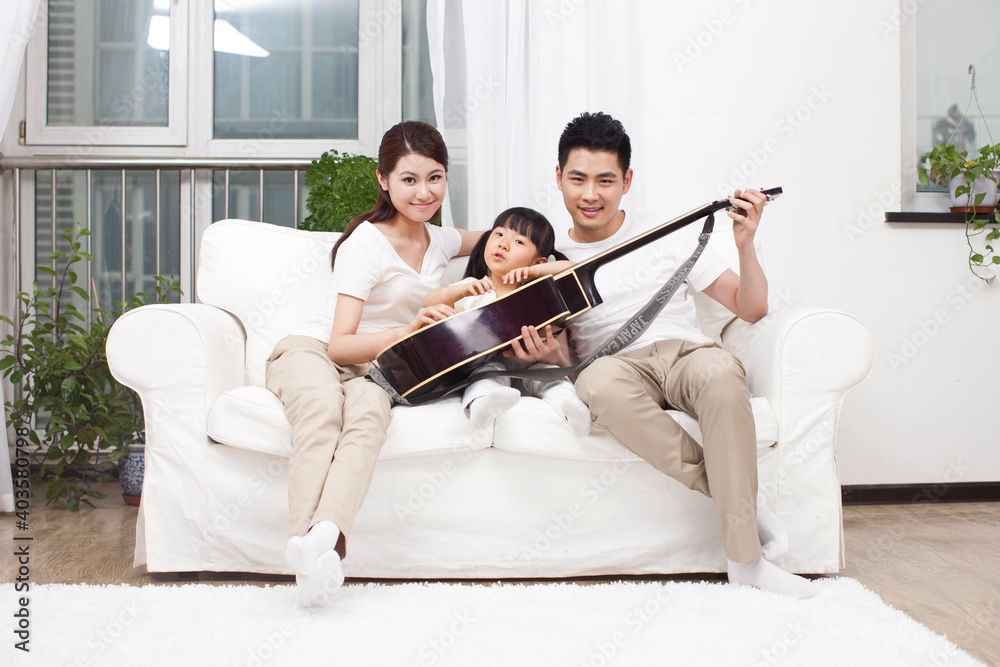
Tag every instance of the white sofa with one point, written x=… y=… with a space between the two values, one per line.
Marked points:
x=527 y=500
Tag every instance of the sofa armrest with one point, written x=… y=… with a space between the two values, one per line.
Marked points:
x=802 y=352
x=179 y=358
x=805 y=361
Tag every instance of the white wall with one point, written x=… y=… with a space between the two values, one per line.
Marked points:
x=811 y=92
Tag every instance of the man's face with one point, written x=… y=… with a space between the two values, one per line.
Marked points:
x=593 y=184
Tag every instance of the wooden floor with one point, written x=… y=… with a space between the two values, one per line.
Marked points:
x=938 y=563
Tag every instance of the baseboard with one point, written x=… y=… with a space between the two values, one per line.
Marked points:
x=902 y=494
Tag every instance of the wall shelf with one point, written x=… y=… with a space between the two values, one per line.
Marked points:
x=915 y=216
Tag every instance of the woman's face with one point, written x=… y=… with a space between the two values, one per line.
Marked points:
x=416 y=187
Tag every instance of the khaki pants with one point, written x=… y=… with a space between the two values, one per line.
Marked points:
x=339 y=422
x=627 y=395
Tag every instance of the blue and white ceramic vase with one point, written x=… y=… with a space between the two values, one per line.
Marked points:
x=132 y=470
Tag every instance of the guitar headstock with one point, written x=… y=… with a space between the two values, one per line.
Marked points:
x=770 y=193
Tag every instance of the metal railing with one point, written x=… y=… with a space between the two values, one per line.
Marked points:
x=198 y=183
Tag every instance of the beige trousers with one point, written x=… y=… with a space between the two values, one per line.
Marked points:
x=627 y=395
x=339 y=422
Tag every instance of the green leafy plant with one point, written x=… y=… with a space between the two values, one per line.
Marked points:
x=341 y=186
x=84 y=419
x=943 y=165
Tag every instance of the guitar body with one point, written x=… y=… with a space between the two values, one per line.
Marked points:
x=444 y=354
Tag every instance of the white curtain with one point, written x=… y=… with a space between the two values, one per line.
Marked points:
x=15 y=30
x=508 y=76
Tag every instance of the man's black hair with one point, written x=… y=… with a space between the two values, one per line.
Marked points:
x=596 y=132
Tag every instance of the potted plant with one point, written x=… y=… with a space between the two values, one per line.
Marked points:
x=973 y=188
x=341 y=186
x=80 y=419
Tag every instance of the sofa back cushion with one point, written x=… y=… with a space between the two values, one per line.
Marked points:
x=269 y=277
x=273 y=278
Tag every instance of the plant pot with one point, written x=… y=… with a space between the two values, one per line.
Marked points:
x=981 y=185
x=132 y=470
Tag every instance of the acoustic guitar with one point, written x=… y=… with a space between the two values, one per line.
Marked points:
x=445 y=353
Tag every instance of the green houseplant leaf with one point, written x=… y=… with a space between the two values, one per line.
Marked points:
x=78 y=417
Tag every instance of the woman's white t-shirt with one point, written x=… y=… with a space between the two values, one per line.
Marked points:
x=369 y=268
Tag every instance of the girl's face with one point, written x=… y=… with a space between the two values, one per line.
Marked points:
x=507 y=249
x=416 y=187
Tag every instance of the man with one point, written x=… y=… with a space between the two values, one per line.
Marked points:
x=673 y=363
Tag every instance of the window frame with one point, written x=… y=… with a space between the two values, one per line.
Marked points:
x=190 y=127
x=38 y=132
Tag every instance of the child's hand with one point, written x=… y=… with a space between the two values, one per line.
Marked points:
x=478 y=287
x=518 y=276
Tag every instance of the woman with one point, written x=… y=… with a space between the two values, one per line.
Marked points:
x=384 y=263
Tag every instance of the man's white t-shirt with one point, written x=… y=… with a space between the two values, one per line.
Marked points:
x=626 y=284
x=369 y=268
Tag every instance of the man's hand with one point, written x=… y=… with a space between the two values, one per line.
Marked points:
x=751 y=202
x=538 y=348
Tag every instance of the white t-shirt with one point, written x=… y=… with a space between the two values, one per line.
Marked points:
x=369 y=268
x=626 y=284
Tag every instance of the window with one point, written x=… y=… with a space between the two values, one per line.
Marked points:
x=114 y=74
x=940 y=39
x=150 y=119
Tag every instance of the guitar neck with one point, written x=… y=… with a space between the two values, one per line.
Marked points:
x=585 y=270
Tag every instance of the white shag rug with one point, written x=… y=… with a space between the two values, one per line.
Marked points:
x=414 y=624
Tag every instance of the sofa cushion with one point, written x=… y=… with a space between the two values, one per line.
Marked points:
x=533 y=427
x=253 y=418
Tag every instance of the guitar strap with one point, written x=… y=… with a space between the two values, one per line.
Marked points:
x=633 y=328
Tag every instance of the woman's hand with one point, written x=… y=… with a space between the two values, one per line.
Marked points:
x=430 y=315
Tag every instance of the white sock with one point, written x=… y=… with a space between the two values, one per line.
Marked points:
x=304 y=551
x=767 y=576
x=774 y=537
x=316 y=588
x=485 y=409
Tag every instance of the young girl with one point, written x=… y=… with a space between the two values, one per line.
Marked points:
x=383 y=264
x=515 y=251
